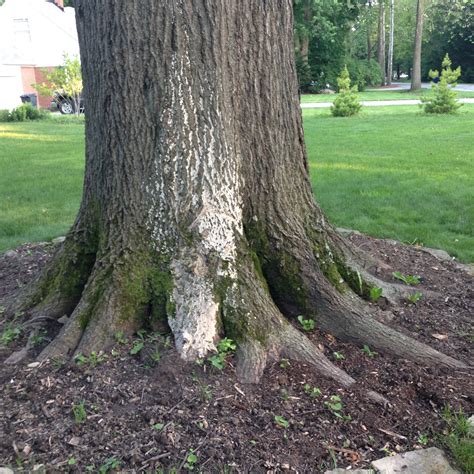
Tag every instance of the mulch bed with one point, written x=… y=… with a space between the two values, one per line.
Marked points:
x=144 y=414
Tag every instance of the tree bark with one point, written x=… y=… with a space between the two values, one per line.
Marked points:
x=391 y=42
x=197 y=208
x=369 y=31
x=381 y=40
x=416 y=70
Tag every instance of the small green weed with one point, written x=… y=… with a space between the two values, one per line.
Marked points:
x=93 y=360
x=158 y=426
x=375 y=294
x=39 y=338
x=284 y=363
x=367 y=351
x=225 y=348
x=110 y=464
x=423 y=439
x=459 y=438
x=339 y=355
x=306 y=324
x=10 y=333
x=407 y=279
x=79 y=412
x=120 y=337
x=415 y=297
x=313 y=392
x=191 y=461
x=281 y=422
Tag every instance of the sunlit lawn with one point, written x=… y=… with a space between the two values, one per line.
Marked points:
x=381 y=95
x=395 y=172
x=392 y=172
x=41 y=168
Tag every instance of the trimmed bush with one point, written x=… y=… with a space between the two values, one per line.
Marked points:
x=346 y=102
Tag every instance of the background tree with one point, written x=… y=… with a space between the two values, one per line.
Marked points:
x=381 y=40
x=197 y=208
x=450 y=29
x=405 y=13
x=391 y=43
x=416 y=70
x=65 y=80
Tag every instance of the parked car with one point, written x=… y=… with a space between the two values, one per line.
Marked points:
x=65 y=104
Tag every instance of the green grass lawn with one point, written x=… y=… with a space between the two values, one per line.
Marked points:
x=392 y=172
x=41 y=169
x=395 y=172
x=380 y=95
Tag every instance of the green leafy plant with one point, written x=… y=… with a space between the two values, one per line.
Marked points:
x=375 y=294
x=444 y=101
x=459 y=438
x=313 y=392
x=38 y=339
x=10 y=333
x=109 y=465
x=225 y=348
x=407 y=279
x=282 y=422
x=339 y=355
x=347 y=102
x=120 y=337
x=415 y=297
x=284 y=363
x=191 y=461
x=367 y=351
x=306 y=324
x=423 y=439
x=158 y=426
x=79 y=412
x=137 y=347
x=93 y=360
x=336 y=406
x=71 y=462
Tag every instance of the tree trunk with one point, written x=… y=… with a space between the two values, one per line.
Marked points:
x=381 y=40
x=369 y=31
x=197 y=207
x=416 y=70
x=390 y=44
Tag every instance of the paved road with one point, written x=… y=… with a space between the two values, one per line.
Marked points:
x=402 y=86
x=375 y=103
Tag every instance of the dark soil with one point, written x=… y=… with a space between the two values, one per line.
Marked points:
x=142 y=413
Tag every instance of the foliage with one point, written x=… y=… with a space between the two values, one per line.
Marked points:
x=79 y=412
x=407 y=279
x=415 y=297
x=450 y=29
x=364 y=73
x=225 y=348
x=313 y=392
x=375 y=294
x=22 y=113
x=444 y=101
x=459 y=438
x=66 y=79
x=306 y=324
x=281 y=421
x=191 y=461
x=321 y=31
x=346 y=103
x=368 y=351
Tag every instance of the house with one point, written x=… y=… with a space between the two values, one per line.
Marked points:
x=34 y=35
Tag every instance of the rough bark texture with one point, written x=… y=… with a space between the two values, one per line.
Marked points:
x=391 y=43
x=381 y=40
x=197 y=207
x=416 y=70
